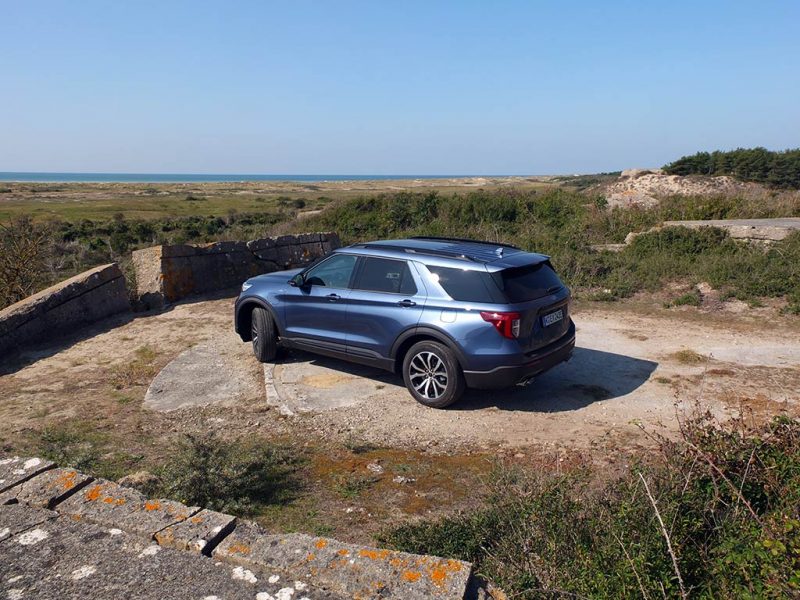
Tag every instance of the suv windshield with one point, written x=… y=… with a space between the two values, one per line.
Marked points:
x=530 y=282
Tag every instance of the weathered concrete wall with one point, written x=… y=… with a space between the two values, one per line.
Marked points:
x=166 y=274
x=64 y=307
x=103 y=534
x=769 y=230
x=750 y=230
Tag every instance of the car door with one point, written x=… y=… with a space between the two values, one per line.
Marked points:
x=316 y=313
x=387 y=298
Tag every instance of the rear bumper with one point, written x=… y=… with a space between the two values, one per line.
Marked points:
x=507 y=376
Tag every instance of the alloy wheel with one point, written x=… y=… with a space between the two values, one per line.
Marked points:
x=428 y=375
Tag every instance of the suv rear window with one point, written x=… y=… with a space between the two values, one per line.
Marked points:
x=521 y=284
x=468 y=286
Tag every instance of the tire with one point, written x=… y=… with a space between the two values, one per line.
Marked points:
x=262 y=330
x=432 y=374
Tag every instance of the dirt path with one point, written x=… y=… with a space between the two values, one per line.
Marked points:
x=628 y=369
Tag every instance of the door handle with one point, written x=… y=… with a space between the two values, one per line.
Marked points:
x=406 y=303
x=333 y=297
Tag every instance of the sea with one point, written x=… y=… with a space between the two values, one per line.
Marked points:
x=201 y=177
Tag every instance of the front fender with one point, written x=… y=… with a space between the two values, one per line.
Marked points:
x=243 y=311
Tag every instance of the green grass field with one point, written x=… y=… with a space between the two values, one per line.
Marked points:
x=102 y=201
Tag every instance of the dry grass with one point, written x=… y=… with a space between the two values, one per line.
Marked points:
x=138 y=371
x=688 y=357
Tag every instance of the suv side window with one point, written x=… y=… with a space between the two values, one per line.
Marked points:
x=386 y=275
x=334 y=272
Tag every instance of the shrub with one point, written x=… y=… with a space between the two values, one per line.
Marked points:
x=237 y=477
x=729 y=499
x=693 y=298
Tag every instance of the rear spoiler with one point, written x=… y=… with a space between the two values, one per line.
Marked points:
x=518 y=259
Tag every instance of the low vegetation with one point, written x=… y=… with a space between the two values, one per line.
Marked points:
x=563 y=223
x=775 y=169
x=716 y=515
x=568 y=226
x=236 y=477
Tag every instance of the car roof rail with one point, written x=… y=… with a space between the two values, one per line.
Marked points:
x=425 y=251
x=434 y=238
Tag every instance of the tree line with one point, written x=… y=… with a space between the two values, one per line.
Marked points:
x=775 y=169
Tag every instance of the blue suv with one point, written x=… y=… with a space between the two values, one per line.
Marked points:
x=446 y=313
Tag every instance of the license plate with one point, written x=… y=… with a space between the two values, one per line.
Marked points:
x=553 y=317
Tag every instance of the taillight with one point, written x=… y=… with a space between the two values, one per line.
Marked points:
x=506 y=323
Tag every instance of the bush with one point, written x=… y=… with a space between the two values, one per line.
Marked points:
x=235 y=477
x=566 y=224
x=729 y=499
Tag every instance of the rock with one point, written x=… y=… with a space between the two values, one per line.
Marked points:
x=375 y=468
x=401 y=479
x=704 y=288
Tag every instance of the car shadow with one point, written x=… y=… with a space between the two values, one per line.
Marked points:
x=589 y=376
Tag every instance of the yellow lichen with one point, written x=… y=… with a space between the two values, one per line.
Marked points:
x=438 y=576
x=374 y=554
x=411 y=576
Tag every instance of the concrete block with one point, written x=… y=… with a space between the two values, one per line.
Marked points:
x=199 y=533
x=330 y=242
x=261 y=244
x=353 y=571
x=764 y=230
x=63 y=558
x=85 y=298
x=17 y=518
x=285 y=240
x=46 y=489
x=112 y=505
x=177 y=251
x=14 y=470
x=222 y=247
x=169 y=273
x=270 y=254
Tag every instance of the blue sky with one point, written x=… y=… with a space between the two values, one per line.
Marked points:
x=392 y=87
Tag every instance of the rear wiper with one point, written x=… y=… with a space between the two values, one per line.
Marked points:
x=555 y=288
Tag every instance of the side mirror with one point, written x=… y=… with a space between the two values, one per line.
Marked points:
x=298 y=280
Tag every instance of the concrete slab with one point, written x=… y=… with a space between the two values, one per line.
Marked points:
x=353 y=571
x=73 y=559
x=17 y=518
x=752 y=229
x=112 y=505
x=304 y=383
x=209 y=373
x=14 y=470
x=46 y=489
x=200 y=533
